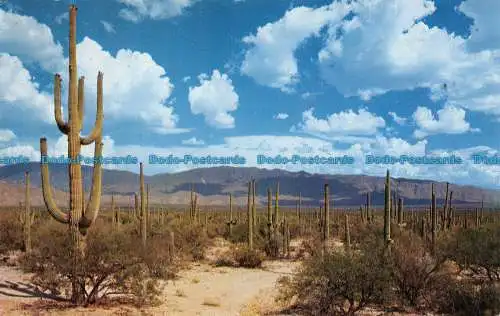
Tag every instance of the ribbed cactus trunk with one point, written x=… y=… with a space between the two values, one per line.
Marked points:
x=78 y=219
x=143 y=212
x=444 y=214
x=115 y=212
x=27 y=217
x=400 y=211
x=326 y=214
x=254 y=205
x=231 y=221
x=433 y=219
x=347 y=233
x=276 y=204
x=250 y=217
x=269 y=214
x=387 y=209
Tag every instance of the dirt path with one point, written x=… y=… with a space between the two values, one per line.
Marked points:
x=200 y=290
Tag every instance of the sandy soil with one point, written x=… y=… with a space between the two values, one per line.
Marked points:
x=200 y=290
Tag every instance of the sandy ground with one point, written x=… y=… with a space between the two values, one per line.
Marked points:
x=203 y=289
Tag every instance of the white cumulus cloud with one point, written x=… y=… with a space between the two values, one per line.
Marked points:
x=270 y=60
x=345 y=123
x=137 y=10
x=193 y=141
x=450 y=120
x=214 y=98
x=281 y=116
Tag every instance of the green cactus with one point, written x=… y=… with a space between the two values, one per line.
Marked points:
x=143 y=225
x=387 y=209
x=78 y=219
x=137 y=211
x=276 y=204
x=444 y=214
x=250 y=216
x=433 y=218
x=347 y=233
x=326 y=214
x=231 y=221
x=27 y=216
x=254 y=206
x=115 y=212
x=400 y=211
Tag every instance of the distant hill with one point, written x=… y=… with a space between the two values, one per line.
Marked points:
x=214 y=185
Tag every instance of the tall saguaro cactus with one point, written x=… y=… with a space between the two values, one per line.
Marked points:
x=27 y=217
x=387 y=209
x=326 y=215
x=250 y=216
x=78 y=218
x=143 y=217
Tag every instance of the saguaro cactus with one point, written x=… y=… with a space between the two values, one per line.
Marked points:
x=78 y=218
x=250 y=216
x=326 y=215
x=231 y=221
x=254 y=205
x=347 y=233
x=387 y=209
x=27 y=217
x=400 y=211
x=143 y=218
x=433 y=218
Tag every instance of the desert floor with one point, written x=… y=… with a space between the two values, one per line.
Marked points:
x=201 y=289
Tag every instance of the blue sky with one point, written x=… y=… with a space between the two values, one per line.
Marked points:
x=226 y=77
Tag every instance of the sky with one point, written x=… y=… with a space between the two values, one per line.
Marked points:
x=250 y=77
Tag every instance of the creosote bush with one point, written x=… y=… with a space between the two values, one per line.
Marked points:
x=115 y=265
x=247 y=258
x=11 y=233
x=338 y=283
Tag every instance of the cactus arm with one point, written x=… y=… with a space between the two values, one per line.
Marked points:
x=96 y=131
x=52 y=208
x=63 y=126
x=94 y=203
x=81 y=99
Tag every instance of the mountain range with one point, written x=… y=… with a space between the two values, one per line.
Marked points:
x=214 y=185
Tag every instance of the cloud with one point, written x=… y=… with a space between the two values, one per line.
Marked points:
x=193 y=141
x=138 y=10
x=281 y=116
x=135 y=87
x=450 y=120
x=62 y=17
x=6 y=135
x=386 y=46
x=485 y=14
x=25 y=37
x=108 y=27
x=18 y=91
x=398 y=119
x=270 y=60
x=215 y=97
x=345 y=123
x=186 y=78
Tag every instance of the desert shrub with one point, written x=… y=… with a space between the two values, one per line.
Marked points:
x=239 y=233
x=247 y=258
x=225 y=260
x=191 y=240
x=476 y=250
x=414 y=271
x=338 y=283
x=11 y=232
x=114 y=264
x=459 y=297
